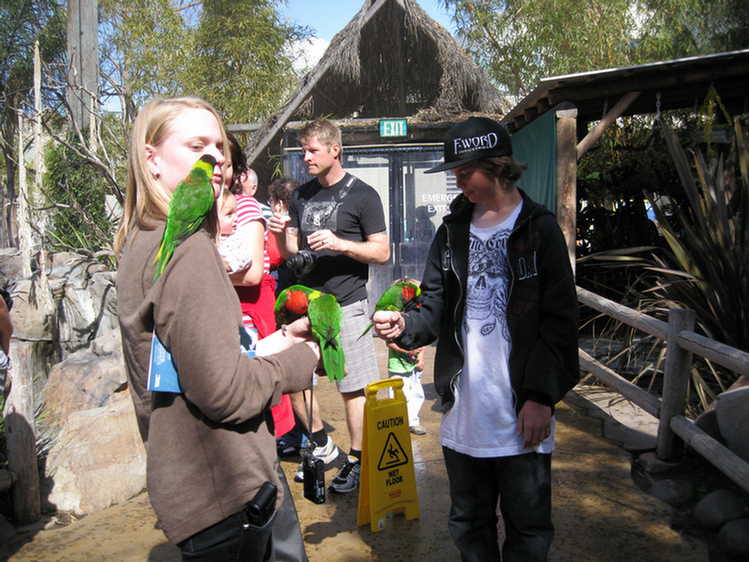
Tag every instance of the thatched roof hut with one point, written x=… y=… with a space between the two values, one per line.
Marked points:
x=391 y=60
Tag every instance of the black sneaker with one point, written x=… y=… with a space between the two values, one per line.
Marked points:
x=348 y=477
x=286 y=449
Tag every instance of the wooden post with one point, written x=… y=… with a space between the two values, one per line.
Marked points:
x=567 y=177
x=83 y=57
x=20 y=437
x=675 y=384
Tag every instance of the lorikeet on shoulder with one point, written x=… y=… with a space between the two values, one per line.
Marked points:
x=191 y=201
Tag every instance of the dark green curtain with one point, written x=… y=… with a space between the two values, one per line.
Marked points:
x=536 y=145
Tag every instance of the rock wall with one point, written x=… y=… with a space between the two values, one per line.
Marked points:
x=66 y=333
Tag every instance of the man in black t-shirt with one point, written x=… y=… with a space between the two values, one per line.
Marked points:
x=340 y=219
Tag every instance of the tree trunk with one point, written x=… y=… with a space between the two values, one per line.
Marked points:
x=20 y=436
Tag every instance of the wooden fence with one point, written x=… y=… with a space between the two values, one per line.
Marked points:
x=682 y=343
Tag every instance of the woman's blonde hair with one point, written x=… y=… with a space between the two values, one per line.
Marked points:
x=146 y=201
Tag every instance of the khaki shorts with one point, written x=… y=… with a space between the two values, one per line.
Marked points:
x=361 y=359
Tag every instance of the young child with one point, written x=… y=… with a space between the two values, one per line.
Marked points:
x=409 y=365
x=235 y=245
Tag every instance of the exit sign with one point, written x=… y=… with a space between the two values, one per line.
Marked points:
x=393 y=128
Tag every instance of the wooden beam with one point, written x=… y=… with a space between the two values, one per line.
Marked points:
x=634 y=318
x=689 y=81
x=675 y=384
x=717 y=352
x=592 y=137
x=632 y=392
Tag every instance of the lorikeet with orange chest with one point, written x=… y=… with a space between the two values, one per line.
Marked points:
x=292 y=303
x=325 y=318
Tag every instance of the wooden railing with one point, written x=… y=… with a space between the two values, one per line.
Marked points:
x=681 y=343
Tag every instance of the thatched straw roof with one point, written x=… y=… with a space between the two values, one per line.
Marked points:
x=391 y=60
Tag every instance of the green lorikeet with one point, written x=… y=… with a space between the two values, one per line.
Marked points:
x=191 y=201
x=325 y=317
x=395 y=298
x=292 y=303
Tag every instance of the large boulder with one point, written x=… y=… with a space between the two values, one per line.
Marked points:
x=11 y=266
x=83 y=381
x=65 y=323
x=732 y=412
x=718 y=508
x=96 y=457
x=72 y=304
x=98 y=461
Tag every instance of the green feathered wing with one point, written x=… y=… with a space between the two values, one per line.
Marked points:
x=326 y=317
x=191 y=201
x=395 y=298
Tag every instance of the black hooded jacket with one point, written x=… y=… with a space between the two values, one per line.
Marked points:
x=542 y=309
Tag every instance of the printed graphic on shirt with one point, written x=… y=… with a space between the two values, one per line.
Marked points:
x=320 y=215
x=488 y=272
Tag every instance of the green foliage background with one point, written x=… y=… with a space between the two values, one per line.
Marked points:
x=518 y=42
x=80 y=218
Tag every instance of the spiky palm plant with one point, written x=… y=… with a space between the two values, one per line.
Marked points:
x=705 y=266
x=709 y=261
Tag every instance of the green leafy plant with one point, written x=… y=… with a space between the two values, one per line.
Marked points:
x=76 y=192
x=708 y=266
x=704 y=265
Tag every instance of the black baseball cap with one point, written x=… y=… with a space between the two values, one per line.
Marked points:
x=477 y=137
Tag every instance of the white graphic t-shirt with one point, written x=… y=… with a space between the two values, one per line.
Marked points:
x=482 y=423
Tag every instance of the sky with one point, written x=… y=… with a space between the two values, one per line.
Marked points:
x=328 y=17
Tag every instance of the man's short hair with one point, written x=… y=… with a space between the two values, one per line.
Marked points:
x=325 y=131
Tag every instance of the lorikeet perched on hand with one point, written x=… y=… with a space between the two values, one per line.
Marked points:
x=292 y=303
x=395 y=298
x=192 y=199
x=326 y=317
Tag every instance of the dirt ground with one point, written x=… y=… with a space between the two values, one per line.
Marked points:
x=599 y=513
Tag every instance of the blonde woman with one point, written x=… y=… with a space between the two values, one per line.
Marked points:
x=211 y=447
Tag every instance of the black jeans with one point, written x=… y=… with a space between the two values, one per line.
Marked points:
x=521 y=484
x=234 y=539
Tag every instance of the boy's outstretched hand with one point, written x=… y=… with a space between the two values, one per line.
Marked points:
x=388 y=324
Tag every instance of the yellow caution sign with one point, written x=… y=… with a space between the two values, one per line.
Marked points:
x=387 y=481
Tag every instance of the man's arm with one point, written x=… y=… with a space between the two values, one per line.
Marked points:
x=287 y=237
x=375 y=249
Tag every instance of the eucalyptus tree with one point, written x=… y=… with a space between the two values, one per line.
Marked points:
x=231 y=53
x=243 y=62
x=519 y=42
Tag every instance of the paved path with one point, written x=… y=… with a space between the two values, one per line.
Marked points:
x=599 y=513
